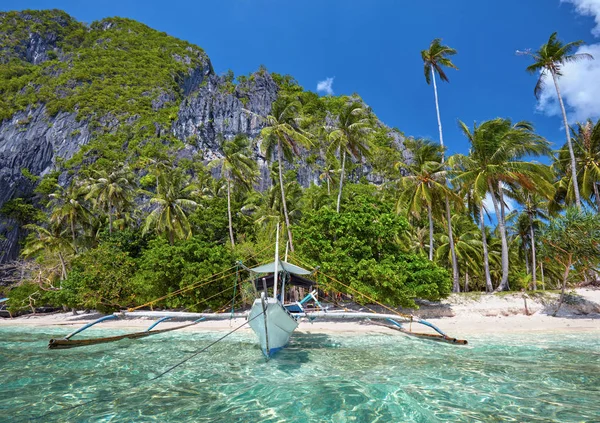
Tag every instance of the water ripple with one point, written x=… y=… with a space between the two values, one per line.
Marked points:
x=319 y=378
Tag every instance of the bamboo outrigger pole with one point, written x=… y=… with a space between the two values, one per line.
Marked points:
x=66 y=342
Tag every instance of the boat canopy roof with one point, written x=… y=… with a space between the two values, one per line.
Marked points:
x=294 y=280
x=283 y=265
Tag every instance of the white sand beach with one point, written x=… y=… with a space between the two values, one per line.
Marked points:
x=459 y=316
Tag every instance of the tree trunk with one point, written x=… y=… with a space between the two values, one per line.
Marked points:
x=339 y=199
x=63 y=267
x=229 y=213
x=73 y=235
x=597 y=195
x=437 y=109
x=486 y=258
x=285 y=212
x=429 y=214
x=571 y=152
x=455 y=276
x=542 y=271
x=502 y=227
x=110 y=225
x=564 y=283
x=466 y=281
x=533 y=258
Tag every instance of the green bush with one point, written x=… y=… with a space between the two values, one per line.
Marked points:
x=164 y=269
x=100 y=279
x=359 y=247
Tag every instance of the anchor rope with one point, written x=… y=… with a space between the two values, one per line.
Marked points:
x=206 y=348
x=406 y=316
x=200 y=283
x=141 y=384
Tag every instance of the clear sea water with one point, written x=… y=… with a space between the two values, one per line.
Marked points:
x=319 y=378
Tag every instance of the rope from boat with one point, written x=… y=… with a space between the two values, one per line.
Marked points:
x=200 y=283
x=206 y=348
x=406 y=316
x=141 y=384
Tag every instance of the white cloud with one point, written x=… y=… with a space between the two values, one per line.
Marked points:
x=588 y=8
x=489 y=204
x=580 y=83
x=325 y=86
x=579 y=86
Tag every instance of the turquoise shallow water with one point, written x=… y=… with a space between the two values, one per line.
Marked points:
x=319 y=378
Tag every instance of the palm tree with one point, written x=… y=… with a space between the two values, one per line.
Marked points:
x=496 y=149
x=236 y=166
x=283 y=134
x=111 y=191
x=425 y=184
x=349 y=136
x=67 y=209
x=533 y=209
x=550 y=58
x=434 y=61
x=53 y=239
x=171 y=205
x=586 y=138
x=468 y=247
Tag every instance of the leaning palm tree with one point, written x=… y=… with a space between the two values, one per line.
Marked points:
x=111 y=191
x=424 y=185
x=497 y=148
x=350 y=136
x=283 y=136
x=549 y=59
x=237 y=166
x=434 y=60
x=172 y=203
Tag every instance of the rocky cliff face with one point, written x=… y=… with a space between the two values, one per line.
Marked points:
x=207 y=106
x=215 y=111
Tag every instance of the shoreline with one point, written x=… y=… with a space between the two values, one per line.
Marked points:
x=458 y=316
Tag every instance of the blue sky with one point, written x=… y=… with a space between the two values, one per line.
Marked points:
x=373 y=48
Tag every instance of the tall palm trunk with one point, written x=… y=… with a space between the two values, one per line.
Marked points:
x=110 y=220
x=73 y=235
x=486 y=258
x=571 y=153
x=437 y=109
x=285 y=211
x=499 y=209
x=466 y=281
x=597 y=195
x=339 y=199
x=455 y=277
x=533 y=258
x=229 y=213
x=429 y=215
x=63 y=268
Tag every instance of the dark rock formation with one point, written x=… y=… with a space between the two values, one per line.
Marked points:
x=211 y=107
x=32 y=141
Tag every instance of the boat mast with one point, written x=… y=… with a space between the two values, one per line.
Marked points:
x=275 y=276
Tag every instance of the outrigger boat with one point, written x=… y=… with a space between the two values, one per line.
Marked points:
x=272 y=320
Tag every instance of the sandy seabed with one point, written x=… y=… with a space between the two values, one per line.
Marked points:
x=463 y=316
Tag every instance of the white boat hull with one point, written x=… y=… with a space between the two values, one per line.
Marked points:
x=274 y=328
